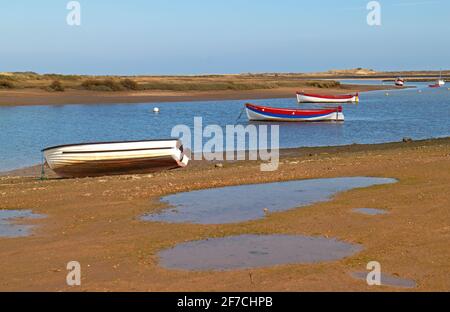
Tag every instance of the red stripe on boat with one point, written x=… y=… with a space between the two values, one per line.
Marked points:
x=293 y=111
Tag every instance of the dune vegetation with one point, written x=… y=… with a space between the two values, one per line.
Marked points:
x=57 y=82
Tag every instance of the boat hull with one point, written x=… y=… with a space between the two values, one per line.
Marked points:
x=98 y=159
x=399 y=82
x=261 y=113
x=315 y=98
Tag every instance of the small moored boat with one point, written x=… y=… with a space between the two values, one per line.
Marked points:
x=303 y=97
x=436 y=85
x=441 y=81
x=110 y=158
x=264 y=113
x=399 y=82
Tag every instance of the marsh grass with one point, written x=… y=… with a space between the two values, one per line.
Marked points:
x=241 y=82
x=55 y=86
x=6 y=84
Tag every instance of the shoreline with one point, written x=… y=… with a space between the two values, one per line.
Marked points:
x=35 y=170
x=35 y=97
x=96 y=221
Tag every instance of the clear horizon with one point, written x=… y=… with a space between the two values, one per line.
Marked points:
x=201 y=37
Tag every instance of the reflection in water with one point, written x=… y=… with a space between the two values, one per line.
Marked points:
x=387 y=280
x=370 y=211
x=8 y=227
x=249 y=202
x=252 y=251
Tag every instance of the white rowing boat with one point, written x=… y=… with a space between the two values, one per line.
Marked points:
x=303 y=97
x=109 y=158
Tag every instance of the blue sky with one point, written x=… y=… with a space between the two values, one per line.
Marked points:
x=226 y=36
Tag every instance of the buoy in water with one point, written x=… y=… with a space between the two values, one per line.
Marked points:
x=156 y=110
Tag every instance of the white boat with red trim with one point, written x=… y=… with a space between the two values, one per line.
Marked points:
x=265 y=113
x=399 y=82
x=303 y=97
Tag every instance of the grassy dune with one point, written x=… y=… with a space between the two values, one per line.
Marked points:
x=241 y=82
x=50 y=82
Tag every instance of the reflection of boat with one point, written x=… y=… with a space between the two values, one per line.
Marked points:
x=303 y=97
x=96 y=159
x=399 y=82
x=264 y=113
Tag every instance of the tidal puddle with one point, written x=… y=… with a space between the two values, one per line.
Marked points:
x=250 y=202
x=370 y=211
x=254 y=251
x=8 y=226
x=387 y=280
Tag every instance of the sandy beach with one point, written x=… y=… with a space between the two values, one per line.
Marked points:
x=96 y=221
x=40 y=97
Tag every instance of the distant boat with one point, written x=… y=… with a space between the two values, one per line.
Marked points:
x=441 y=82
x=303 y=97
x=110 y=158
x=399 y=82
x=265 y=113
x=436 y=85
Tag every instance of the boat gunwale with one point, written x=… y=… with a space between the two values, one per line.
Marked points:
x=111 y=142
x=119 y=151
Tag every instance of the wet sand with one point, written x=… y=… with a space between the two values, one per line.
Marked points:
x=40 y=97
x=96 y=221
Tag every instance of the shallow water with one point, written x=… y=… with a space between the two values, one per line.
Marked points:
x=370 y=211
x=388 y=280
x=25 y=130
x=8 y=227
x=248 y=202
x=253 y=251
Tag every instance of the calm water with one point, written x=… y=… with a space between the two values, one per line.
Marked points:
x=24 y=131
x=8 y=226
x=370 y=211
x=251 y=251
x=388 y=280
x=249 y=202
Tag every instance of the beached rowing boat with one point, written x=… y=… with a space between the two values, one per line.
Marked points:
x=109 y=158
x=264 y=113
x=303 y=97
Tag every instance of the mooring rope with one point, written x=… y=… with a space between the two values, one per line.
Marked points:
x=42 y=167
x=240 y=115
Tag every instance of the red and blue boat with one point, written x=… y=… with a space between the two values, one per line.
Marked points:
x=265 y=113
